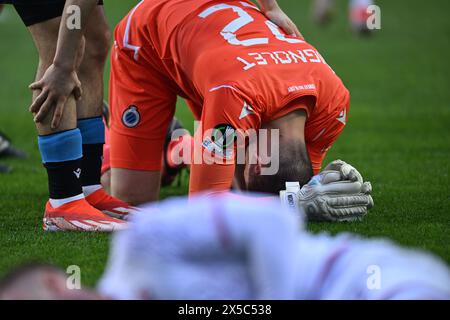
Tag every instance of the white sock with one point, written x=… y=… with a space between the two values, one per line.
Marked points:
x=55 y=203
x=88 y=190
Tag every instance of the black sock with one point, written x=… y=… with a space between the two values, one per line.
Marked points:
x=91 y=164
x=61 y=154
x=93 y=137
x=64 y=179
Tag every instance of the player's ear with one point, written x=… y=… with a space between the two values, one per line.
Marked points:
x=257 y=168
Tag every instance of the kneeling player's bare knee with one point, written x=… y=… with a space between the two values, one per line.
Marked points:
x=131 y=195
x=135 y=186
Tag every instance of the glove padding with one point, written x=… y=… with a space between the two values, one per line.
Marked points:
x=332 y=195
x=347 y=171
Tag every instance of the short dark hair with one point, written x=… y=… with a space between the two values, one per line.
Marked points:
x=294 y=165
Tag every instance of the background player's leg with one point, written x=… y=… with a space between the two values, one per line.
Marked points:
x=358 y=15
x=60 y=148
x=90 y=72
x=89 y=108
x=45 y=37
x=61 y=151
x=323 y=11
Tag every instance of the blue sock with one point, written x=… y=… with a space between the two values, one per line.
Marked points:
x=61 y=155
x=93 y=137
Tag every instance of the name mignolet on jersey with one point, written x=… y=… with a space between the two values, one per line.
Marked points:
x=265 y=58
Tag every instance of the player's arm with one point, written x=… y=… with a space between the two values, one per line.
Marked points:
x=61 y=80
x=219 y=142
x=272 y=10
x=213 y=174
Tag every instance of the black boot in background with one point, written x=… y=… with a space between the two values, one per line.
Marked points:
x=8 y=150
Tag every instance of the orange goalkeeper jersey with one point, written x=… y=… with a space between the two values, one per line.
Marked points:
x=233 y=66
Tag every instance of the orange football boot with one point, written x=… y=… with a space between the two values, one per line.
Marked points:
x=79 y=215
x=109 y=205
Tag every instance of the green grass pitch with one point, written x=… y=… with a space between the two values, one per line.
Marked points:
x=398 y=132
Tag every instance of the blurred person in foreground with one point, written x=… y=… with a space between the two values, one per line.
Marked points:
x=220 y=248
x=248 y=248
x=36 y=281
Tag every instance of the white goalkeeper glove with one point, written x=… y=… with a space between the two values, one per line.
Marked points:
x=332 y=195
x=347 y=171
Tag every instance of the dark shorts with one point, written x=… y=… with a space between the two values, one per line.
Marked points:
x=36 y=11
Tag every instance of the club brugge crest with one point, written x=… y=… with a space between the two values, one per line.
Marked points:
x=131 y=117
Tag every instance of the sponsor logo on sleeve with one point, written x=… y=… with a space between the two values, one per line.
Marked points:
x=221 y=141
